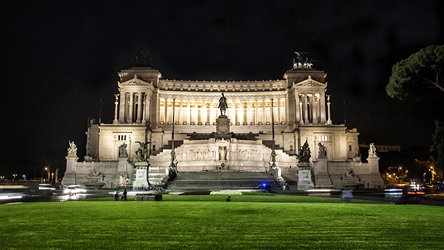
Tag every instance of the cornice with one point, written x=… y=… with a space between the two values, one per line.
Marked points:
x=217 y=95
x=223 y=86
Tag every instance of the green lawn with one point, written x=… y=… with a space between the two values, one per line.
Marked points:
x=208 y=222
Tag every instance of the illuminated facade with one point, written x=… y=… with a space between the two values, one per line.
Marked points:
x=144 y=110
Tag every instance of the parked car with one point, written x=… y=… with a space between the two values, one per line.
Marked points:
x=74 y=189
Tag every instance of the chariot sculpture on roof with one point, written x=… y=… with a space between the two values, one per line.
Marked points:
x=301 y=61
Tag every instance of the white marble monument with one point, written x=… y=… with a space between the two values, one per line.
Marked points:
x=233 y=131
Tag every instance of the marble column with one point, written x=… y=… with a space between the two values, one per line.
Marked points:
x=264 y=118
x=157 y=108
x=315 y=106
x=249 y=114
x=255 y=112
x=301 y=112
x=139 y=106
x=116 y=103
x=287 y=110
x=306 y=108
x=296 y=107
x=322 y=106
x=122 y=106
x=199 y=112
x=211 y=119
x=131 y=108
x=179 y=112
x=189 y=111
x=144 y=108
x=328 y=109
x=165 y=110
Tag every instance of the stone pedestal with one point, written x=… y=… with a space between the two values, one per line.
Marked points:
x=374 y=178
x=222 y=127
x=141 y=181
x=321 y=173
x=69 y=177
x=304 y=176
x=373 y=162
x=123 y=166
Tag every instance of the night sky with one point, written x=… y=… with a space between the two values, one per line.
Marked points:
x=60 y=58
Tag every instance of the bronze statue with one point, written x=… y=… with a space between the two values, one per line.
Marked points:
x=304 y=153
x=142 y=152
x=223 y=105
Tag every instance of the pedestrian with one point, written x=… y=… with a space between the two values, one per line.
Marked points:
x=116 y=196
x=124 y=198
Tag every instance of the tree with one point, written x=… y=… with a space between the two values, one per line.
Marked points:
x=412 y=77
x=438 y=144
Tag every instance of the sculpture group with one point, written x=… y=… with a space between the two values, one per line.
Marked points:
x=72 y=150
x=142 y=151
x=304 y=153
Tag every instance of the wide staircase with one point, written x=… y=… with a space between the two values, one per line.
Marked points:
x=219 y=180
x=177 y=143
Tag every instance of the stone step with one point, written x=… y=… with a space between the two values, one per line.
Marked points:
x=220 y=180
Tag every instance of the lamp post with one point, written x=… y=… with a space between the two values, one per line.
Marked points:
x=273 y=153
x=173 y=164
x=44 y=169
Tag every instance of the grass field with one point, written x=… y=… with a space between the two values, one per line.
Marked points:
x=208 y=222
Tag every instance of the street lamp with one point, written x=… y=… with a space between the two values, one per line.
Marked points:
x=432 y=171
x=44 y=169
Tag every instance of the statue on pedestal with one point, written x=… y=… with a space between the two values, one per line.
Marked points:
x=322 y=150
x=72 y=150
x=121 y=180
x=372 y=150
x=273 y=158
x=142 y=152
x=223 y=105
x=304 y=153
x=222 y=154
x=122 y=151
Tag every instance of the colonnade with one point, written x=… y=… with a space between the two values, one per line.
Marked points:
x=134 y=107
x=191 y=110
x=310 y=107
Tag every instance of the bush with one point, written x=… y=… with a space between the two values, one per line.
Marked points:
x=158 y=197
x=226 y=192
x=257 y=193
x=203 y=192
